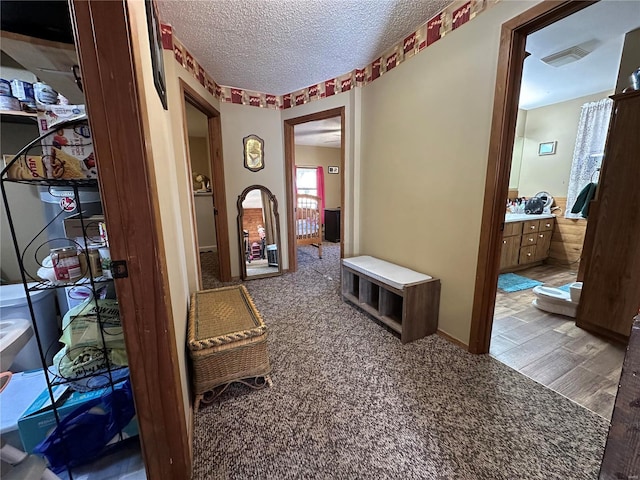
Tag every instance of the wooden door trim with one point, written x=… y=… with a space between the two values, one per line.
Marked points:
x=214 y=130
x=505 y=110
x=290 y=175
x=121 y=145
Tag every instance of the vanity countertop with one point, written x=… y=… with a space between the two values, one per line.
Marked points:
x=523 y=217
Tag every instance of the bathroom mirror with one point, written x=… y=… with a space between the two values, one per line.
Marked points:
x=259 y=233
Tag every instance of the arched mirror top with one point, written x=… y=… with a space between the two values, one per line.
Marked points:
x=247 y=192
x=259 y=233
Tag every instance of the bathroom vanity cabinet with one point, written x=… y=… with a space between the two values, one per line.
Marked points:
x=525 y=242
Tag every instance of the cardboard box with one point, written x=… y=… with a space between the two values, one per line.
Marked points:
x=38 y=420
x=22 y=391
x=67 y=153
x=27 y=167
x=73 y=227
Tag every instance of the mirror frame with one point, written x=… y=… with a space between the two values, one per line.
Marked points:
x=243 y=262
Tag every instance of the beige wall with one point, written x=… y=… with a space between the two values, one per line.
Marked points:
x=518 y=144
x=10 y=69
x=238 y=121
x=205 y=222
x=24 y=202
x=557 y=122
x=308 y=156
x=425 y=140
x=183 y=180
x=199 y=154
x=630 y=59
x=168 y=176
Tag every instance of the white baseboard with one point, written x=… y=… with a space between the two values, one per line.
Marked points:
x=208 y=248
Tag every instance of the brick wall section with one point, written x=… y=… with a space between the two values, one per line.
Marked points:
x=251 y=218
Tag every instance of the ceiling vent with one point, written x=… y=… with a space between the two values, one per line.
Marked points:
x=564 y=57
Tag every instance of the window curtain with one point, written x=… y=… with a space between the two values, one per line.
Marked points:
x=587 y=154
x=320 y=186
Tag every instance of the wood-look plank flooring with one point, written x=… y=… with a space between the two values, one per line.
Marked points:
x=550 y=348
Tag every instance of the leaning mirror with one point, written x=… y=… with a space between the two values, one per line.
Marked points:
x=259 y=233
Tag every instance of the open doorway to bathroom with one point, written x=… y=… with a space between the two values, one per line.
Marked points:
x=314 y=162
x=561 y=128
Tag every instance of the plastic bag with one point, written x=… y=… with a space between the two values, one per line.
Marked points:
x=86 y=359
x=80 y=325
x=82 y=435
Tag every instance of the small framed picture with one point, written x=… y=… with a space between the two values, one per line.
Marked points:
x=334 y=170
x=547 y=148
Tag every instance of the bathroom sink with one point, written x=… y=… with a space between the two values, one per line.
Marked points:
x=14 y=334
x=523 y=217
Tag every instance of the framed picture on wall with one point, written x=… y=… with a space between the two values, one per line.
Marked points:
x=547 y=148
x=253 y=147
x=155 y=42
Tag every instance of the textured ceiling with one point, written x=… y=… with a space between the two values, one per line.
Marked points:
x=279 y=46
x=600 y=29
x=320 y=133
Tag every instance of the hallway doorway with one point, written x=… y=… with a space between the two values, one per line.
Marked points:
x=314 y=167
x=203 y=141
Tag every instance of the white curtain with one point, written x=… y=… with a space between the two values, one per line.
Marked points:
x=587 y=155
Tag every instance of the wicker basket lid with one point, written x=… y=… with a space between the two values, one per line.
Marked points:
x=222 y=315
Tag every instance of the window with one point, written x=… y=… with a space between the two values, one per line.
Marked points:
x=307 y=180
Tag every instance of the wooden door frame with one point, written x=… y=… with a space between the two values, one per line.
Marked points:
x=290 y=176
x=122 y=149
x=505 y=110
x=214 y=134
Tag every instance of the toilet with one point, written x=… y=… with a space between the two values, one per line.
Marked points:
x=558 y=301
x=13 y=304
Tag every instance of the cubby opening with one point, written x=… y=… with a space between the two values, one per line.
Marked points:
x=369 y=294
x=352 y=284
x=391 y=306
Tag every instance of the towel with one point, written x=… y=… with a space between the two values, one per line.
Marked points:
x=584 y=198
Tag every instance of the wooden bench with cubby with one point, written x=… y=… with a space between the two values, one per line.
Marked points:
x=406 y=301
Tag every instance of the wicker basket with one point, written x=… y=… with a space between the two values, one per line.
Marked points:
x=227 y=339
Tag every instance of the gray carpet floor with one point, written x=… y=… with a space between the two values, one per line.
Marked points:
x=349 y=401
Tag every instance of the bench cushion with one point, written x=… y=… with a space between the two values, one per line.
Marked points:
x=385 y=272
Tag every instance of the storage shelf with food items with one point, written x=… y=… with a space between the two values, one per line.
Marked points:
x=84 y=361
